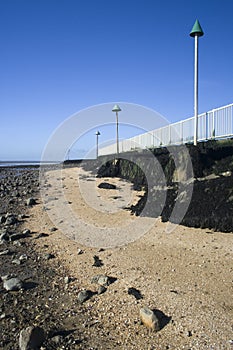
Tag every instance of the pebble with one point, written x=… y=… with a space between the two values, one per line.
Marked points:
x=12 y=284
x=149 y=319
x=80 y=251
x=31 y=338
x=26 y=232
x=30 y=201
x=48 y=256
x=83 y=295
x=103 y=280
x=101 y=290
x=16 y=262
x=5 y=252
x=67 y=280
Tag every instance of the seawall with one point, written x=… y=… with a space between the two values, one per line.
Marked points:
x=195 y=180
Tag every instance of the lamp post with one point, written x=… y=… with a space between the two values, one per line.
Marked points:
x=97 y=143
x=195 y=33
x=117 y=109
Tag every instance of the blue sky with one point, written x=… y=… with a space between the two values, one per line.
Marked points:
x=61 y=56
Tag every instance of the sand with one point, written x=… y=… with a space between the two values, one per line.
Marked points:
x=185 y=275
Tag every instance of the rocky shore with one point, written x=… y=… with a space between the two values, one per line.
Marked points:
x=160 y=292
x=33 y=286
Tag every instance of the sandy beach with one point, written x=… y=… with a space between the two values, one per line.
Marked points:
x=185 y=276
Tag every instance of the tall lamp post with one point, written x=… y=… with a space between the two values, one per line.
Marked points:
x=117 y=109
x=97 y=143
x=195 y=33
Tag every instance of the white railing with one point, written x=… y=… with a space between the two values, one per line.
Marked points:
x=215 y=124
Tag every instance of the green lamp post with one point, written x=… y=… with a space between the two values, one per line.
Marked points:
x=117 y=109
x=195 y=33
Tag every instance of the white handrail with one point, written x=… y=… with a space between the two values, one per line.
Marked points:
x=214 y=124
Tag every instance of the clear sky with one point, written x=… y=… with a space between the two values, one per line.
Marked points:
x=61 y=56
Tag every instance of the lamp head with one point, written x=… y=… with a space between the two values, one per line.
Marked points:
x=196 y=30
x=116 y=108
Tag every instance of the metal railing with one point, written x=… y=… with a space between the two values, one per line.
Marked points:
x=214 y=124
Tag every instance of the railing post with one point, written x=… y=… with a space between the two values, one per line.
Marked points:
x=181 y=138
x=206 y=125
x=213 y=131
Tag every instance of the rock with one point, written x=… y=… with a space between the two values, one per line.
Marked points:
x=83 y=295
x=103 y=280
x=67 y=280
x=149 y=319
x=48 y=256
x=57 y=339
x=16 y=236
x=101 y=290
x=23 y=257
x=12 y=284
x=16 y=262
x=31 y=338
x=2 y=219
x=107 y=186
x=80 y=251
x=11 y=220
x=5 y=252
x=53 y=229
x=30 y=201
x=4 y=236
x=226 y=173
x=26 y=232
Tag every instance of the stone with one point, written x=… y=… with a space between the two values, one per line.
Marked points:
x=57 y=339
x=101 y=290
x=5 y=252
x=16 y=262
x=11 y=220
x=67 y=280
x=48 y=256
x=4 y=236
x=16 y=236
x=31 y=338
x=2 y=219
x=12 y=284
x=149 y=319
x=80 y=251
x=23 y=257
x=103 y=280
x=30 y=201
x=26 y=232
x=83 y=295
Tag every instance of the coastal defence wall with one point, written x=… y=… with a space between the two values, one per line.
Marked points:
x=171 y=176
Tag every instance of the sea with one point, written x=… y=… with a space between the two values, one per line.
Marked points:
x=24 y=163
